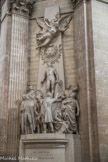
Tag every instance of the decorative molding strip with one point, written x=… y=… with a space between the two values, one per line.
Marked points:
x=0 y=10
x=76 y=3
x=104 y=1
x=2 y=2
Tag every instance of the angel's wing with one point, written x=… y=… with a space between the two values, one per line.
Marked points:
x=42 y=24
x=64 y=21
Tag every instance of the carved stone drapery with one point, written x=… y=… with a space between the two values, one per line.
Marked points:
x=37 y=114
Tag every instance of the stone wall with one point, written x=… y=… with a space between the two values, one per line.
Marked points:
x=86 y=79
x=79 y=32
x=13 y=77
x=100 y=37
x=85 y=61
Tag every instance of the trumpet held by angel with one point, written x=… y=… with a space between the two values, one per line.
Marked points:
x=50 y=29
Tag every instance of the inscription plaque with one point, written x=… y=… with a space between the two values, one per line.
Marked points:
x=42 y=154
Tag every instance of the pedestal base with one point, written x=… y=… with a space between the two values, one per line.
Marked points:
x=50 y=148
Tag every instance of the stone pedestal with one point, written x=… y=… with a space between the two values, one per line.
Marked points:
x=50 y=148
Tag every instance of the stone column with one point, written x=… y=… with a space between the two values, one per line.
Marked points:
x=100 y=38
x=15 y=77
x=84 y=55
x=5 y=39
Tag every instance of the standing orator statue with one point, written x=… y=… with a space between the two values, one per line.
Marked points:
x=52 y=78
x=48 y=118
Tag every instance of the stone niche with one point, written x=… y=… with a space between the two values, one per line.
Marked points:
x=49 y=113
x=50 y=148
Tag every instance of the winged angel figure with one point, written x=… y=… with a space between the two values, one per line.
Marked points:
x=50 y=29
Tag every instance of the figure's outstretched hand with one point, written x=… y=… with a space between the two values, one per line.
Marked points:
x=57 y=94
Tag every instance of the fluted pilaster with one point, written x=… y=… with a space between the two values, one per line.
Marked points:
x=18 y=77
x=13 y=71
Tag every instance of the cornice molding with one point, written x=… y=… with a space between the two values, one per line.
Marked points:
x=104 y=1
x=22 y=6
x=77 y=2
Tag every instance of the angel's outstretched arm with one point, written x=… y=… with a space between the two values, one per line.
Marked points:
x=46 y=22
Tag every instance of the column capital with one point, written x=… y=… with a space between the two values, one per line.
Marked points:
x=21 y=6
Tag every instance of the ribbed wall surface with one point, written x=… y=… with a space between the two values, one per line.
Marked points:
x=4 y=80
x=18 y=78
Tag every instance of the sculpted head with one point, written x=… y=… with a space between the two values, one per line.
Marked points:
x=31 y=92
x=27 y=97
x=49 y=64
x=30 y=96
x=49 y=94
x=39 y=95
x=30 y=88
x=73 y=95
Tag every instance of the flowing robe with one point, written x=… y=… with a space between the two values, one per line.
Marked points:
x=70 y=105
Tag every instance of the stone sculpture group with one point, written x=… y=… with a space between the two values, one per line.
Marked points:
x=37 y=115
x=56 y=109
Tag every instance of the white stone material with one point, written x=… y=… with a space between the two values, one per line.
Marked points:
x=50 y=148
